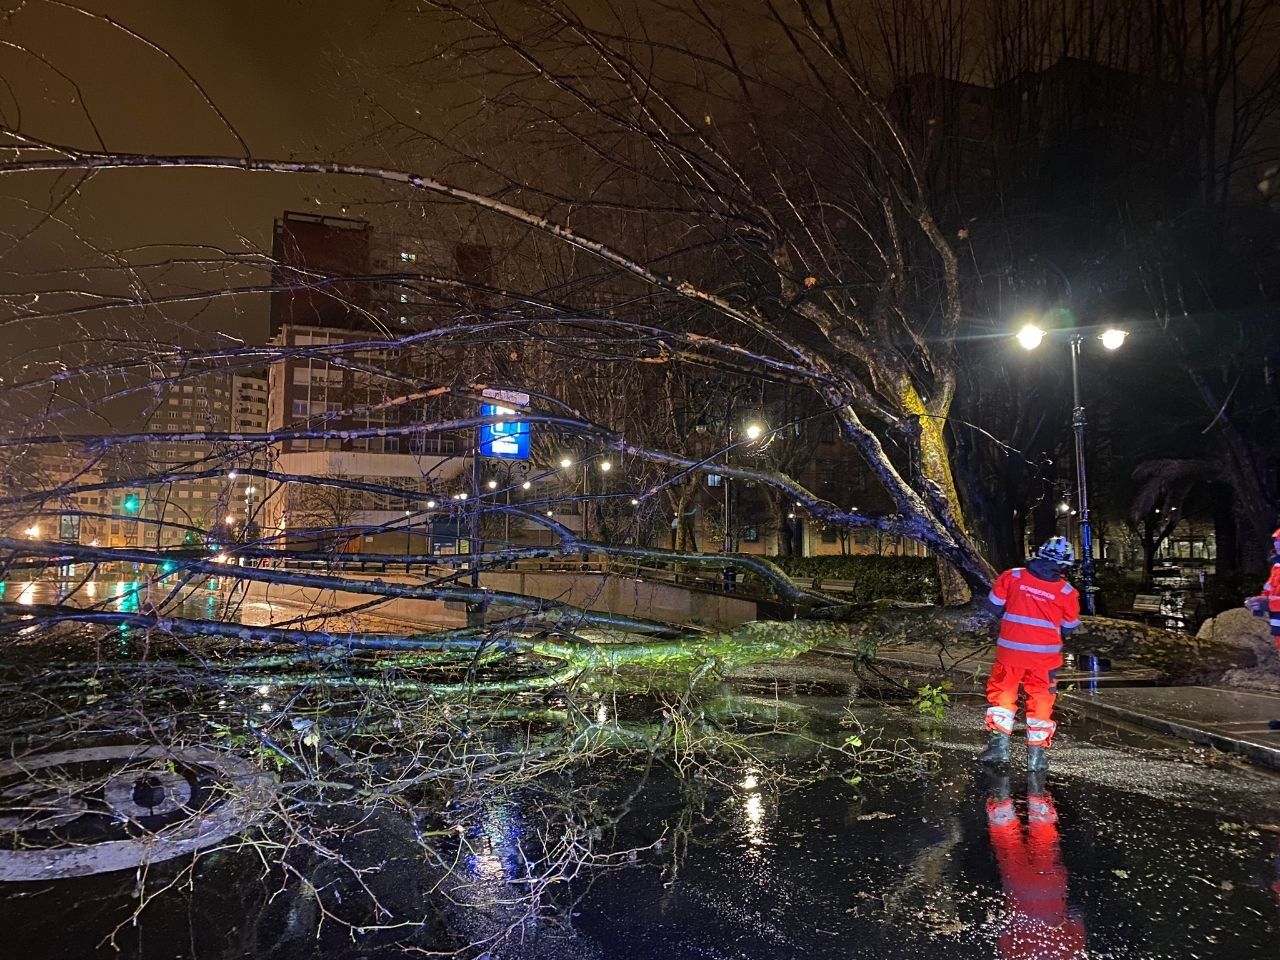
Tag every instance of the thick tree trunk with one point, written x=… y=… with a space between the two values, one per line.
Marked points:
x=935 y=465
x=1222 y=502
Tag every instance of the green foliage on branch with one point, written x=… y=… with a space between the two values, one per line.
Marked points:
x=931 y=700
x=873 y=578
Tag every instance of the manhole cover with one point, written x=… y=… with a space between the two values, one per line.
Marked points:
x=79 y=812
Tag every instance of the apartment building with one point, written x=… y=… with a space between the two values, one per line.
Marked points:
x=175 y=491
x=342 y=371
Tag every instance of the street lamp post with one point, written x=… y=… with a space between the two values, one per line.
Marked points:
x=1030 y=336
x=1082 y=480
x=753 y=431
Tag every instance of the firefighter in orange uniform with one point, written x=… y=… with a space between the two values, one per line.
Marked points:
x=1037 y=608
x=1040 y=924
x=1267 y=603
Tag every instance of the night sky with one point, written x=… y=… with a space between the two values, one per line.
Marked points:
x=285 y=72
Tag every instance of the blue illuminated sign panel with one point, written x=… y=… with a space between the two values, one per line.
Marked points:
x=505 y=439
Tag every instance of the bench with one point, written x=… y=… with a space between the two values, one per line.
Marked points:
x=1147 y=603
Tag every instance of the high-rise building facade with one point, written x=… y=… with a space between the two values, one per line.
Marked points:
x=335 y=317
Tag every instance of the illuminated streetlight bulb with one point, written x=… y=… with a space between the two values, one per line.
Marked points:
x=1030 y=336
x=549 y=513
x=431 y=504
x=566 y=463
x=635 y=502
x=232 y=475
x=526 y=485
x=230 y=521
x=754 y=431
x=32 y=531
x=1113 y=339
x=605 y=466
x=493 y=484
x=249 y=490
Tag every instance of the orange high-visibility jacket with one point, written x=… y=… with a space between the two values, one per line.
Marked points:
x=1035 y=612
x=1271 y=594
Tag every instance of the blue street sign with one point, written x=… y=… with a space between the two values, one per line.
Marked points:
x=506 y=439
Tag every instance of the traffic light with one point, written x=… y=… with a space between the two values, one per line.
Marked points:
x=132 y=503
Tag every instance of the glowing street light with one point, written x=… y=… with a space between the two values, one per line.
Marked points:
x=566 y=463
x=635 y=502
x=492 y=484
x=230 y=521
x=754 y=431
x=232 y=475
x=526 y=485
x=605 y=466
x=1113 y=338
x=431 y=504
x=1030 y=336
x=33 y=531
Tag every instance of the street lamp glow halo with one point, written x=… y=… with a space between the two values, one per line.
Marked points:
x=1113 y=338
x=1030 y=336
x=566 y=463
x=754 y=431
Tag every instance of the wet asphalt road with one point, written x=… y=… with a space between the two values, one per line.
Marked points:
x=1151 y=856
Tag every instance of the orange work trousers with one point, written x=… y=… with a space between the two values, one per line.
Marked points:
x=1039 y=682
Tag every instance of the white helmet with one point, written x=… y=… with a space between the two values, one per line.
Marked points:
x=1057 y=549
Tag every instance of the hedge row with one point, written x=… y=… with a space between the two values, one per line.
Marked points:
x=873 y=578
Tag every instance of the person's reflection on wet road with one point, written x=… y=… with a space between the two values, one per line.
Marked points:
x=1040 y=925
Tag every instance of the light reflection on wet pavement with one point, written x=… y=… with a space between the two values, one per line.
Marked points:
x=1125 y=853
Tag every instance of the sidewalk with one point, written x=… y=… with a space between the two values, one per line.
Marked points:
x=1233 y=721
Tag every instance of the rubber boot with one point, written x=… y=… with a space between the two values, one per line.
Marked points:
x=997 y=750
x=1037 y=760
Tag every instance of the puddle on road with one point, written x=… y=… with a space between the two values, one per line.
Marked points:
x=1122 y=855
